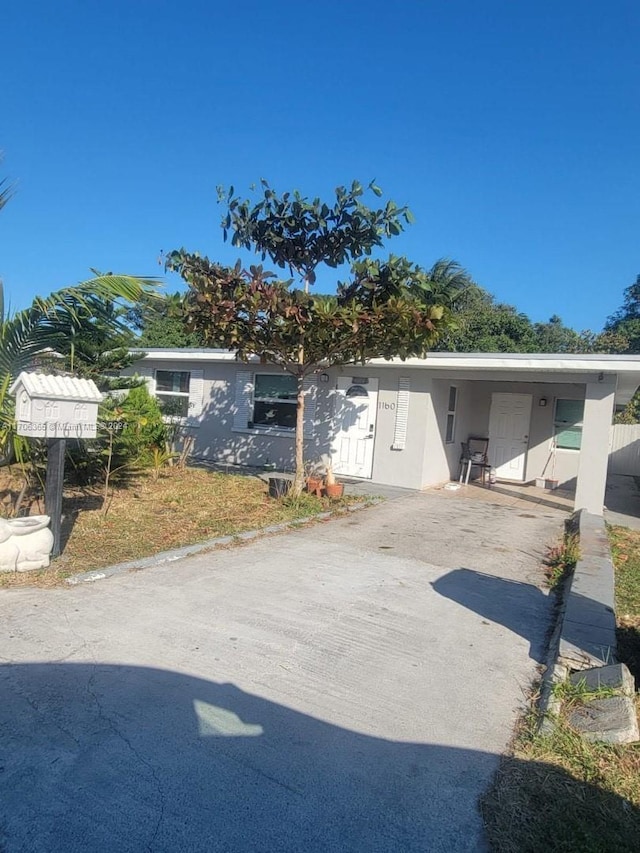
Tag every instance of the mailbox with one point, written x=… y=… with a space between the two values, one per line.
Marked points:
x=55 y=406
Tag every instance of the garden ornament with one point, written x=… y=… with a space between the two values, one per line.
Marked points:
x=25 y=543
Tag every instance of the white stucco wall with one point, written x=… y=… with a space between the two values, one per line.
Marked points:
x=426 y=459
x=396 y=467
x=441 y=459
x=215 y=438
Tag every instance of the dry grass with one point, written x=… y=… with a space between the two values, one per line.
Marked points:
x=558 y=792
x=625 y=544
x=183 y=507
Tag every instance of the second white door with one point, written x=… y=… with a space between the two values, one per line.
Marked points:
x=509 y=434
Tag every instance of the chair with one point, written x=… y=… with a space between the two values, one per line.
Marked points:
x=475 y=453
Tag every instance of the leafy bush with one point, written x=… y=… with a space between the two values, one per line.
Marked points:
x=144 y=428
x=129 y=431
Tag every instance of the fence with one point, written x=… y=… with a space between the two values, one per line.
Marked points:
x=624 y=451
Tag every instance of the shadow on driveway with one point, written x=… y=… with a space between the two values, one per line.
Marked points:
x=520 y=607
x=103 y=758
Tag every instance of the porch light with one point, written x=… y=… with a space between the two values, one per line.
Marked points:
x=542 y=402
x=324 y=377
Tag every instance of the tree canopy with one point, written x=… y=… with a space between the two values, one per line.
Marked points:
x=387 y=308
x=626 y=320
x=160 y=321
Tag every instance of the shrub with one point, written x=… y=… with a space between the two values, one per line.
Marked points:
x=129 y=430
x=144 y=430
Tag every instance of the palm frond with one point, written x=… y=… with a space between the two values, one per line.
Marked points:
x=6 y=191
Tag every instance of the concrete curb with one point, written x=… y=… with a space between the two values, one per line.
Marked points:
x=588 y=635
x=584 y=637
x=210 y=544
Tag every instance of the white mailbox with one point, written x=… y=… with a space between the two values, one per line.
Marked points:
x=56 y=406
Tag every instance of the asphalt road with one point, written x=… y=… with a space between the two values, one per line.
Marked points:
x=346 y=687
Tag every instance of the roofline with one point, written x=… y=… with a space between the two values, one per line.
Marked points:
x=573 y=362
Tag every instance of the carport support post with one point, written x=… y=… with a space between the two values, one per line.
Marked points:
x=53 y=488
x=594 y=450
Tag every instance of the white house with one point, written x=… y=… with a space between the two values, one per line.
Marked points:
x=402 y=422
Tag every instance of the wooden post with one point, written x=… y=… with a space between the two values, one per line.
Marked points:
x=53 y=489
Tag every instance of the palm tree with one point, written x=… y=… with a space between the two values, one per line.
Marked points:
x=50 y=325
x=445 y=282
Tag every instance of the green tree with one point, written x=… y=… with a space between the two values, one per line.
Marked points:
x=375 y=313
x=161 y=322
x=626 y=320
x=480 y=324
x=97 y=348
x=554 y=336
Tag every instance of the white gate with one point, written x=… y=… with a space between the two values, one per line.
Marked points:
x=624 y=452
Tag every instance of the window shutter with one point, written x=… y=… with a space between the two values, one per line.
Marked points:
x=244 y=391
x=402 y=414
x=147 y=374
x=196 y=397
x=310 y=399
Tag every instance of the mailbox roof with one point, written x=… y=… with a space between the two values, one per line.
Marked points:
x=58 y=387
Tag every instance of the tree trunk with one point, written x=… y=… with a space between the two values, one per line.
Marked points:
x=298 y=481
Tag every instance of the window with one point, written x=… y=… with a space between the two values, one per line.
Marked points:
x=567 y=424
x=274 y=400
x=268 y=402
x=451 y=415
x=172 y=391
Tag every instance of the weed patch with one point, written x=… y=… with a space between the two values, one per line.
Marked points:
x=561 y=560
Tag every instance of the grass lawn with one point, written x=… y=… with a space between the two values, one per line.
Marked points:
x=184 y=506
x=625 y=545
x=560 y=793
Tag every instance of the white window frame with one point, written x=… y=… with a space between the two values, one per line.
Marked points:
x=160 y=394
x=276 y=427
x=451 y=413
x=557 y=428
x=244 y=387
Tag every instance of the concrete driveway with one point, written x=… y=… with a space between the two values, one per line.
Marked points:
x=346 y=687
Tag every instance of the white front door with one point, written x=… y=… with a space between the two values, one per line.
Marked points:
x=356 y=407
x=509 y=434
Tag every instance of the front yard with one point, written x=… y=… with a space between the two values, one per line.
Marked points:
x=181 y=507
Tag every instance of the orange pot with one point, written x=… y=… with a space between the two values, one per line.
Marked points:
x=314 y=486
x=335 y=490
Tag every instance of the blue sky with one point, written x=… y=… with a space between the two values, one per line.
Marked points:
x=511 y=129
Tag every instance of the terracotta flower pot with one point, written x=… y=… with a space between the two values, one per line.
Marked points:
x=334 y=490
x=314 y=486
